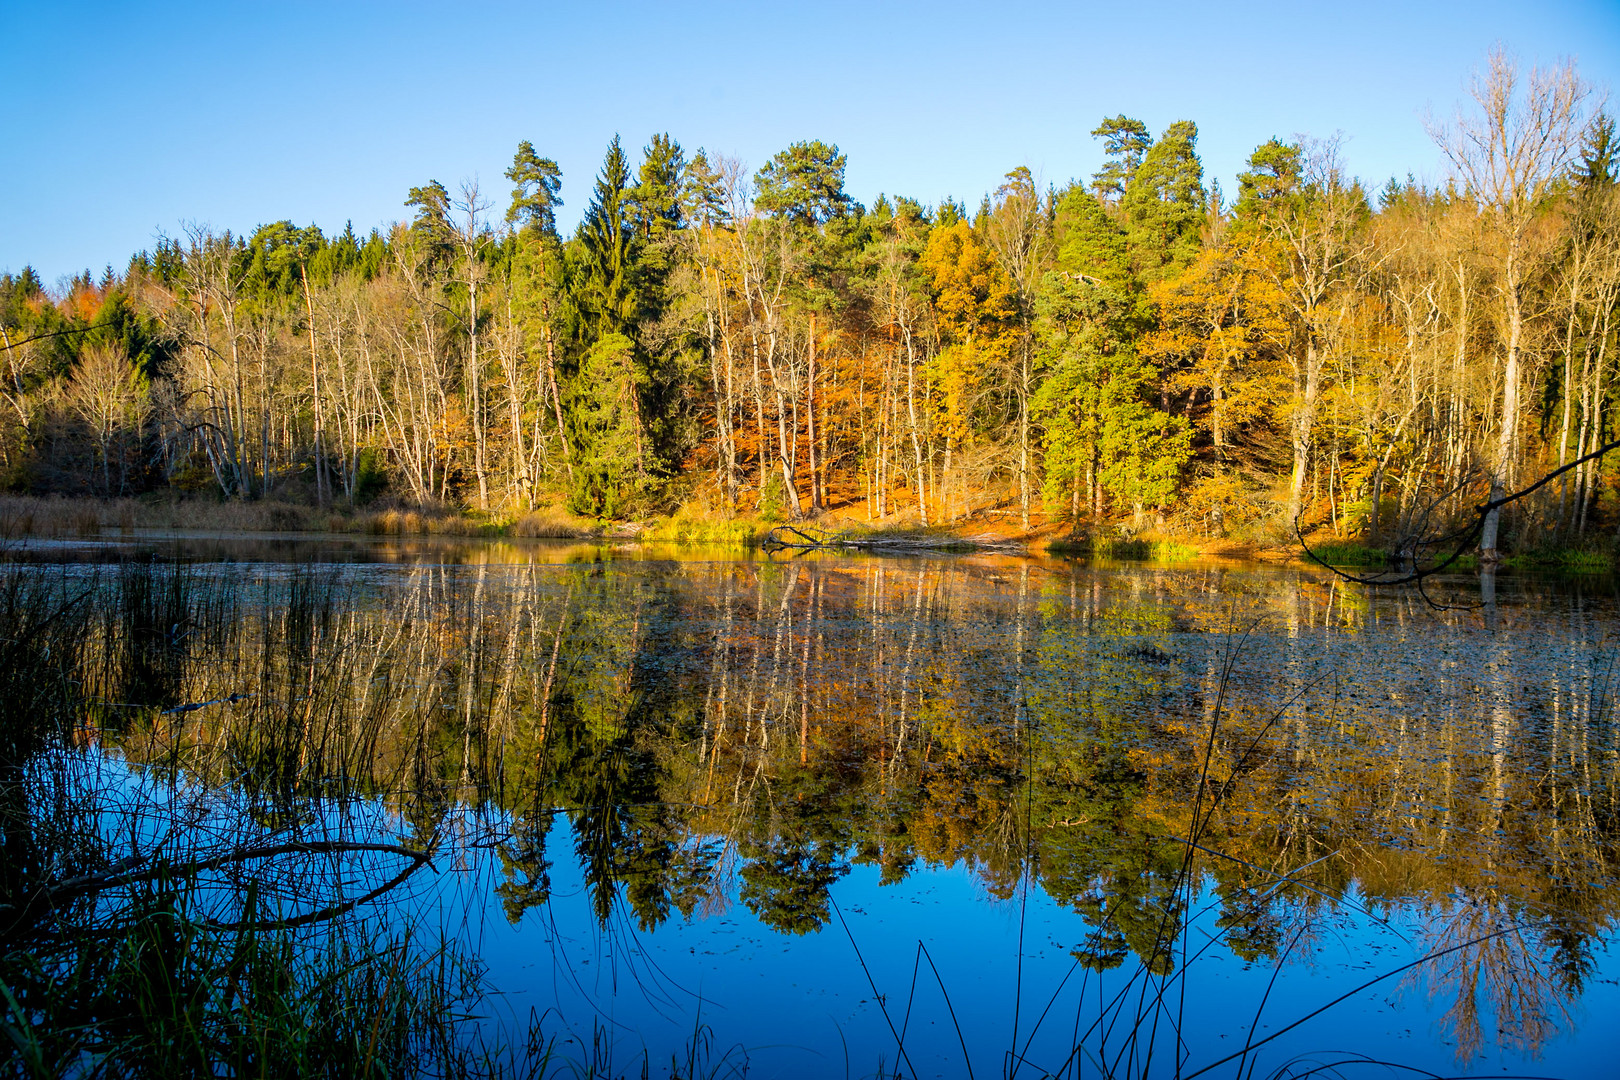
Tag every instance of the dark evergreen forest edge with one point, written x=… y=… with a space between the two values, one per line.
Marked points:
x=1135 y=356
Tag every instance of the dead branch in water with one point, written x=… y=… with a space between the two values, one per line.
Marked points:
x=136 y=869
x=794 y=538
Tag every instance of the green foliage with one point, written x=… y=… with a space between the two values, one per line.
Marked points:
x=432 y=203
x=1125 y=548
x=804 y=183
x=605 y=286
x=1574 y=560
x=536 y=184
x=1276 y=172
x=683 y=529
x=1164 y=204
x=702 y=192
x=371 y=476
x=1099 y=428
x=1600 y=155
x=611 y=455
x=1091 y=243
x=787 y=883
x=1348 y=553
x=656 y=206
x=1124 y=141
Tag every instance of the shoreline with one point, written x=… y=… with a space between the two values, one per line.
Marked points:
x=70 y=518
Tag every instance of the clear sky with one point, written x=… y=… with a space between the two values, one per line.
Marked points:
x=123 y=121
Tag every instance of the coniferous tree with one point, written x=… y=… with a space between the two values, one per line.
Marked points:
x=1164 y=204
x=536 y=190
x=607 y=244
x=804 y=183
x=1124 y=141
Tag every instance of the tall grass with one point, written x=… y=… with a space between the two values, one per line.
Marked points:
x=1574 y=560
x=142 y=934
x=1349 y=553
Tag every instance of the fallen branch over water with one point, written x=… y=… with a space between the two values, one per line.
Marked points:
x=810 y=538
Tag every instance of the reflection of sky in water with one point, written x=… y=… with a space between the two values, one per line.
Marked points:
x=1461 y=768
x=798 y=1004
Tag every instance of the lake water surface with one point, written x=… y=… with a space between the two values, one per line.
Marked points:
x=951 y=816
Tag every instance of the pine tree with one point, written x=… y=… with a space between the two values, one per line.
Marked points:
x=1102 y=436
x=1124 y=141
x=1090 y=243
x=536 y=188
x=608 y=428
x=1164 y=204
x=804 y=183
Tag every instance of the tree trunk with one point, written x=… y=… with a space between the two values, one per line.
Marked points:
x=322 y=486
x=810 y=425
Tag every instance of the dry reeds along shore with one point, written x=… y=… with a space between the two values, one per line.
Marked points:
x=34 y=516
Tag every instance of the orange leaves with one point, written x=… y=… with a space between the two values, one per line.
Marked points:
x=1223 y=333
x=1220 y=312
x=973 y=295
x=977 y=311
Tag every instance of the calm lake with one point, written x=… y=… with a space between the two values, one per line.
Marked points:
x=946 y=816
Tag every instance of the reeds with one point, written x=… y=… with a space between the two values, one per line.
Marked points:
x=143 y=934
x=1349 y=553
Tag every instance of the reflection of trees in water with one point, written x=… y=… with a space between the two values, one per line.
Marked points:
x=751 y=730
x=1489 y=948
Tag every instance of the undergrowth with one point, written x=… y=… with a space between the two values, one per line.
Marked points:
x=1348 y=553
x=1574 y=560
x=1136 y=548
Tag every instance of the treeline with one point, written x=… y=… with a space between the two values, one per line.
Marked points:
x=1136 y=349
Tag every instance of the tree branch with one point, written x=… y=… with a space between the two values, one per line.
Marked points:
x=1463 y=538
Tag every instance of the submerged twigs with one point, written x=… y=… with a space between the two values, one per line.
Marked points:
x=325 y=914
x=138 y=869
x=810 y=538
x=230 y=699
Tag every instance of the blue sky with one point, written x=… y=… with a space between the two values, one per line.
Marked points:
x=126 y=120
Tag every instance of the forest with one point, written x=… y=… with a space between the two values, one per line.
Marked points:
x=1134 y=353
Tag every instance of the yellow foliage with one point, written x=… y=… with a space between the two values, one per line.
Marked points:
x=972 y=294
x=1224 y=332
x=977 y=309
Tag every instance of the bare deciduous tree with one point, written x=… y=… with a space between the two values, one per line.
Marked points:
x=1507 y=154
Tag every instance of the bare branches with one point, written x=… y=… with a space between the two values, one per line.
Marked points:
x=1412 y=549
x=1518 y=143
x=7 y=344
x=139 y=870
